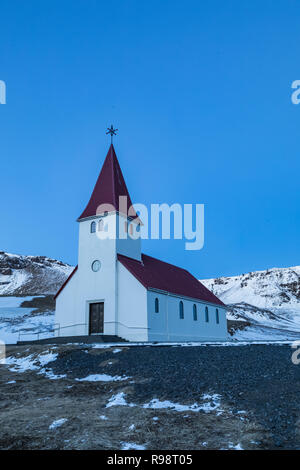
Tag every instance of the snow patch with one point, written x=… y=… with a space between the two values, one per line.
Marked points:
x=102 y=378
x=57 y=423
x=46 y=358
x=22 y=364
x=131 y=446
x=32 y=362
x=212 y=402
x=103 y=417
x=118 y=400
x=115 y=351
x=235 y=447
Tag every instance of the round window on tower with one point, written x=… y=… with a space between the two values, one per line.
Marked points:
x=96 y=265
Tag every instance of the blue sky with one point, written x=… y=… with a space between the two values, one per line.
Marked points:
x=201 y=95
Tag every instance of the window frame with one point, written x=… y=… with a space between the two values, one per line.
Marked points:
x=206 y=315
x=101 y=225
x=195 y=313
x=181 y=310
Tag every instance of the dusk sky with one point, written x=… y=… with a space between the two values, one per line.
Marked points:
x=201 y=95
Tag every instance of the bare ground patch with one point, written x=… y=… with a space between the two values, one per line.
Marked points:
x=34 y=402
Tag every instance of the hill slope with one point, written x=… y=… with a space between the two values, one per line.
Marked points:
x=268 y=298
x=31 y=275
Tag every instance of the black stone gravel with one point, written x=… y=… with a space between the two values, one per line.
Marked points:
x=258 y=379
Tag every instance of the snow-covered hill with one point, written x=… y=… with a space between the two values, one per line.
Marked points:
x=268 y=299
x=31 y=275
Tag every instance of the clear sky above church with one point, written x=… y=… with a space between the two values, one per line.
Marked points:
x=201 y=95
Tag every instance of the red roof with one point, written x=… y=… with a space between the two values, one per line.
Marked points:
x=156 y=274
x=109 y=187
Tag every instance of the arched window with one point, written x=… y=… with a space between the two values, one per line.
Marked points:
x=156 y=305
x=217 y=316
x=195 y=312
x=181 y=311
x=206 y=315
x=100 y=225
x=93 y=227
x=138 y=227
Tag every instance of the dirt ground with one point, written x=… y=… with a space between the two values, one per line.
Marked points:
x=30 y=405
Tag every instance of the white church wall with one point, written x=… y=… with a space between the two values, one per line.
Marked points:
x=73 y=302
x=132 y=307
x=166 y=325
x=66 y=311
x=126 y=245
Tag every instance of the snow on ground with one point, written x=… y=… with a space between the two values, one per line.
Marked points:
x=102 y=378
x=211 y=402
x=262 y=333
x=22 y=364
x=15 y=319
x=33 y=362
x=234 y=447
x=57 y=423
x=27 y=325
x=131 y=446
x=11 y=302
x=118 y=400
x=115 y=351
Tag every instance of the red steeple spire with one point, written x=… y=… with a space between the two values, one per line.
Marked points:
x=109 y=187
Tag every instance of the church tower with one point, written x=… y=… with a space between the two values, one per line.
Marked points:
x=108 y=227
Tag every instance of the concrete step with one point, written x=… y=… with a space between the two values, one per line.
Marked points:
x=76 y=339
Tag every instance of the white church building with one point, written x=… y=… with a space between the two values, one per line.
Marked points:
x=117 y=290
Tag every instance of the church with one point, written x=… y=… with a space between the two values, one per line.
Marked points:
x=117 y=290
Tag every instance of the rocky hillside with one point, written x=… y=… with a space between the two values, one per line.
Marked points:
x=270 y=298
x=30 y=275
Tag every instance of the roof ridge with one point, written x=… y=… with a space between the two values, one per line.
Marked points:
x=166 y=262
x=153 y=273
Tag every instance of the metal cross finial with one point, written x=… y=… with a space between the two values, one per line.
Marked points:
x=112 y=132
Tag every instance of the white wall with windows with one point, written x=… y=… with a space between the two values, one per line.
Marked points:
x=173 y=318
